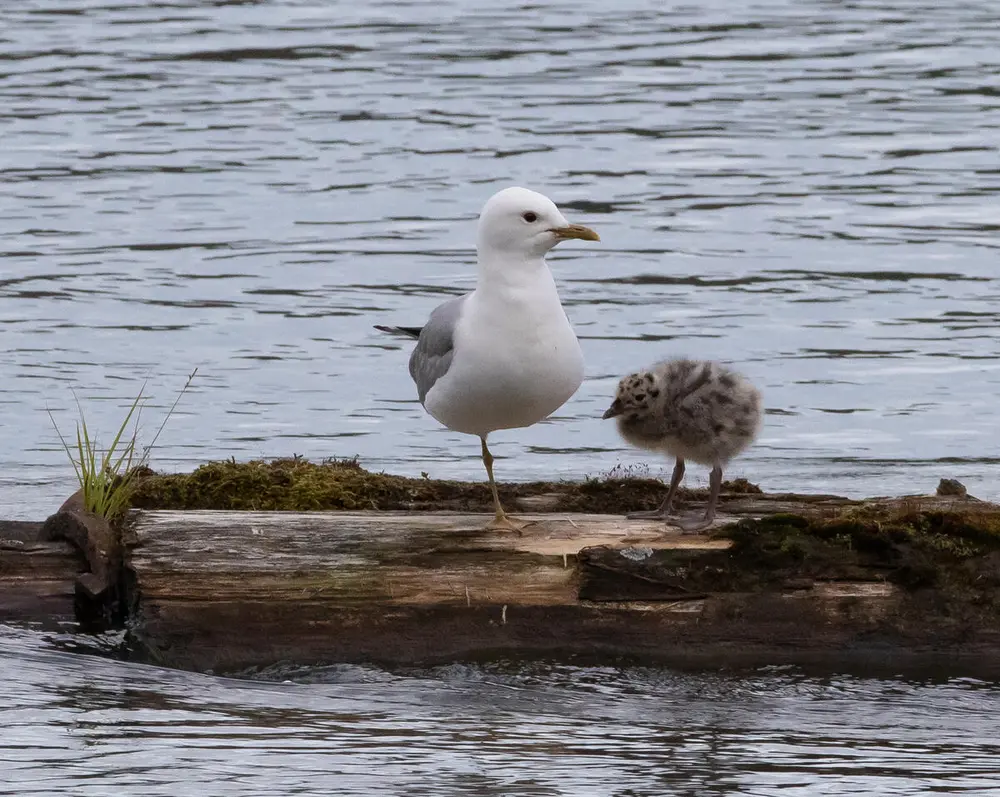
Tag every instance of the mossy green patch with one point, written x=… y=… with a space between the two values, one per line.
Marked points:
x=619 y=496
x=955 y=551
x=295 y=484
x=953 y=555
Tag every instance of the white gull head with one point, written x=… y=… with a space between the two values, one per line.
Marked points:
x=520 y=224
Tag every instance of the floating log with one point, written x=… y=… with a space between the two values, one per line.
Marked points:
x=780 y=579
x=814 y=579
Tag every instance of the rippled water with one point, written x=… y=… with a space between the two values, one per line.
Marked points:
x=805 y=189
x=84 y=726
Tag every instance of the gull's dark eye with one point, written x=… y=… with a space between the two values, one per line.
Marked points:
x=529 y=216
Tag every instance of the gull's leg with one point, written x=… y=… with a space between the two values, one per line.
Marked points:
x=667 y=507
x=714 y=486
x=501 y=521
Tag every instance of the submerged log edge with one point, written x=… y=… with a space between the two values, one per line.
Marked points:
x=232 y=591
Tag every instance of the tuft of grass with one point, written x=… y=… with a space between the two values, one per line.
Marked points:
x=108 y=477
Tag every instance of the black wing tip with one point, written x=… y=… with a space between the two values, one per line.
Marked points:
x=410 y=332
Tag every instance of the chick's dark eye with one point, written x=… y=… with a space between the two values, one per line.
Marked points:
x=529 y=216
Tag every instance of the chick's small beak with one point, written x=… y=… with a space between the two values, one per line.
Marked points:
x=614 y=410
x=575 y=231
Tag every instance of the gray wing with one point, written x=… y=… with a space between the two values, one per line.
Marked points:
x=435 y=347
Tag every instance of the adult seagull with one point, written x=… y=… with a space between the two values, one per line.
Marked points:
x=505 y=355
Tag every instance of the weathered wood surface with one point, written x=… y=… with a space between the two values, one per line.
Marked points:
x=228 y=590
x=37 y=578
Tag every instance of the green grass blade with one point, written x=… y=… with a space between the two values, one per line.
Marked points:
x=107 y=477
x=65 y=445
x=170 y=412
x=124 y=425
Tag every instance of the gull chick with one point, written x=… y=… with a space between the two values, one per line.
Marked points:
x=688 y=409
x=505 y=355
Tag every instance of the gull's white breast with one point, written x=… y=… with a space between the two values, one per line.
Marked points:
x=516 y=361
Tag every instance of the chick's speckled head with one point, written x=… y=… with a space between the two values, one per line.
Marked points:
x=635 y=395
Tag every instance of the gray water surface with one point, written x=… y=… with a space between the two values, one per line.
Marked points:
x=83 y=726
x=807 y=190
x=804 y=189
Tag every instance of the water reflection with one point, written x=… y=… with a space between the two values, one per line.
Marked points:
x=504 y=728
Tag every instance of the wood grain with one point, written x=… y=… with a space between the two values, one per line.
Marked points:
x=230 y=590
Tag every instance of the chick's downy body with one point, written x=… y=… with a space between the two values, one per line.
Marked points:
x=690 y=410
x=699 y=411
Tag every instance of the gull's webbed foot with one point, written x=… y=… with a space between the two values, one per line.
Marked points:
x=505 y=523
x=653 y=514
x=693 y=526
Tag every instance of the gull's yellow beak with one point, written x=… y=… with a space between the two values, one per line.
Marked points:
x=575 y=231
